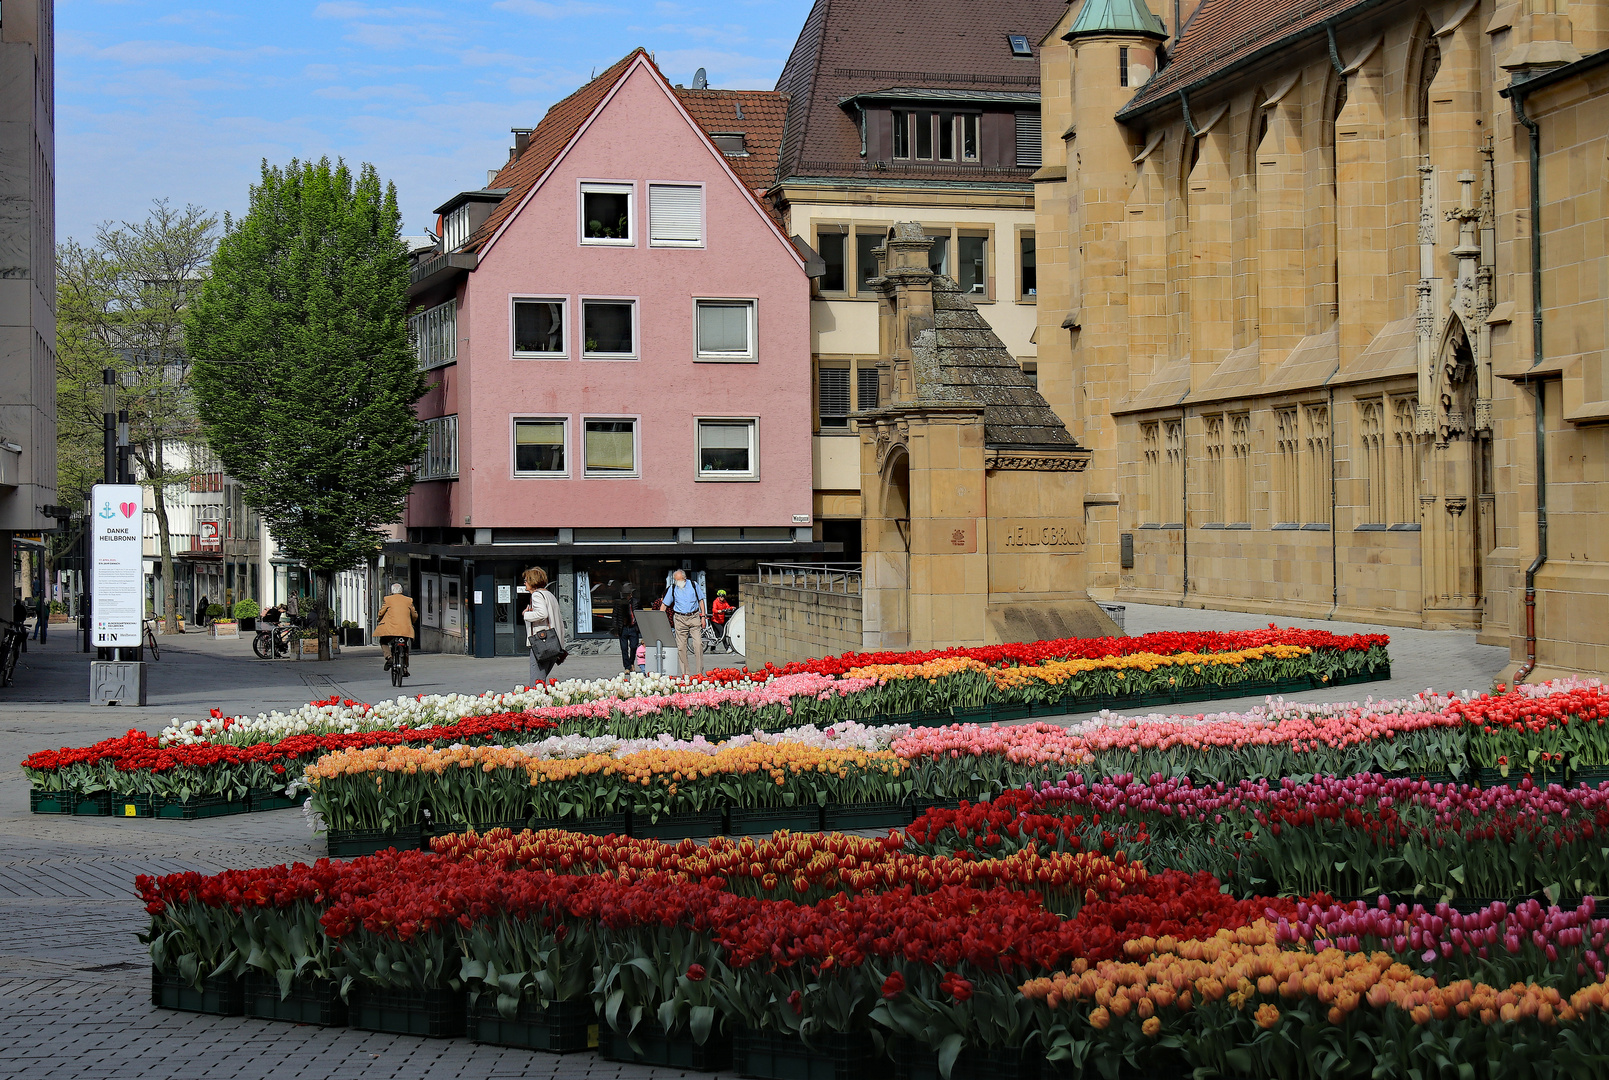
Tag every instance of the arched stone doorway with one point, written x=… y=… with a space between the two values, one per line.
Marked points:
x=886 y=553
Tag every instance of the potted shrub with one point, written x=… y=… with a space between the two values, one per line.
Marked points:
x=351 y=633
x=246 y=612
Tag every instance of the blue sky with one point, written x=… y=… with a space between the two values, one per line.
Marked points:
x=155 y=100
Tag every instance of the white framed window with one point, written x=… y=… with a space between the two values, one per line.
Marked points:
x=609 y=446
x=728 y=448
x=675 y=215
x=435 y=335
x=608 y=214
x=455 y=228
x=725 y=329
x=538 y=326
x=608 y=328
x=440 y=459
x=540 y=446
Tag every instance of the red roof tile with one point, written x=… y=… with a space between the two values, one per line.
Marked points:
x=758 y=114
x=548 y=141
x=1224 y=32
x=850 y=47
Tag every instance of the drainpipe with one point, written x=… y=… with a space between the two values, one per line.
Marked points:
x=1335 y=559
x=1189 y=123
x=1541 y=559
x=1335 y=54
x=1184 y=497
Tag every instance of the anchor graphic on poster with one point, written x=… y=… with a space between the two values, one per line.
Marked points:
x=107 y=511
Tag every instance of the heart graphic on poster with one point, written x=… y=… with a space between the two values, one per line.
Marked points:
x=127 y=508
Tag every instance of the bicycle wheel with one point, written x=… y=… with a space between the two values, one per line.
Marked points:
x=399 y=658
x=263 y=646
x=150 y=643
x=8 y=663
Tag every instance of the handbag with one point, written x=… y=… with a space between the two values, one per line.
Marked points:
x=545 y=644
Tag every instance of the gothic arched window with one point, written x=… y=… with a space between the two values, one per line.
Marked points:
x=1429 y=65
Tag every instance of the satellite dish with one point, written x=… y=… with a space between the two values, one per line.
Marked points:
x=701 y=81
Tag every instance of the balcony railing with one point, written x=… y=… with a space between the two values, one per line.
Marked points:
x=820 y=577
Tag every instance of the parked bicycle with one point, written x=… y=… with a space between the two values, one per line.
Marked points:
x=10 y=650
x=716 y=638
x=150 y=640
x=272 y=640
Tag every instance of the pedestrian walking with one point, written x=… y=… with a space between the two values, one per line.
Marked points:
x=42 y=621
x=626 y=625
x=397 y=619
x=685 y=602
x=544 y=627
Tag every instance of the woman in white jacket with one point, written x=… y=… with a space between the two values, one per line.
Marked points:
x=542 y=614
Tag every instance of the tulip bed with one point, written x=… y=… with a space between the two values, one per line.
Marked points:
x=224 y=757
x=1088 y=960
x=1218 y=783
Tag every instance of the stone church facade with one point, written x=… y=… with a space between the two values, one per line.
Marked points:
x=1286 y=299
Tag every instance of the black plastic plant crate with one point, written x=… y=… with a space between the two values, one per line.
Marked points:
x=764 y=820
x=768 y=1055
x=560 y=1027
x=915 y=1061
x=310 y=1001
x=480 y=828
x=649 y=1045
x=922 y=806
x=91 y=804
x=198 y=807
x=1013 y=711
x=264 y=799
x=840 y=817
x=354 y=843
x=1590 y=776
x=133 y=805
x=598 y=825
x=433 y=1014
x=220 y=995
x=678 y=826
x=52 y=802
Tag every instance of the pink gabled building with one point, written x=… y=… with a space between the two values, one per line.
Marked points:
x=619 y=336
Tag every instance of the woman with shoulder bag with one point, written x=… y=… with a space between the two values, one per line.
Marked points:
x=544 y=627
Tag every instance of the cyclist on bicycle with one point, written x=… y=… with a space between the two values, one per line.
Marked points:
x=397 y=618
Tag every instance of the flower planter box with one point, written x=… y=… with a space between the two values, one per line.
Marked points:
x=432 y=1014
x=224 y=629
x=560 y=1027
x=353 y=843
x=134 y=805
x=220 y=995
x=649 y=1045
x=768 y=1055
x=678 y=826
x=197 y=807
x=351 y=636
x=600 y=825
x=1590 y=776
x=765 y=820
x=262 y=799
x=307 y=648
x=839 y=817
x=248 y=624
x=310 y=1001
x=914 y=1061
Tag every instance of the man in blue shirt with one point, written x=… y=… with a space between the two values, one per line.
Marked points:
x=684 y=602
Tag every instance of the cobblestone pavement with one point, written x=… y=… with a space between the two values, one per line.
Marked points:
x=74 y=981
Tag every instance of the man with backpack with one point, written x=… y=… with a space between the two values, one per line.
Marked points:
x=684 y=600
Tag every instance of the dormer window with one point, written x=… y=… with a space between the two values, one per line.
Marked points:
x=730 y=143
x=455 y=228
x=1019 y=45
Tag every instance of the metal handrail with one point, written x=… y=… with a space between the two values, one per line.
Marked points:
x=822 y=577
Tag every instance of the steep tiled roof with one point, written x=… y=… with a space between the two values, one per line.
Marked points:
x=965 y=361
x=849 y=47
x=549 y=139
x=1224 y=32
x=758 y=114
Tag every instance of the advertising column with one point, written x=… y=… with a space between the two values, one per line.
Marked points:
x=116 y=521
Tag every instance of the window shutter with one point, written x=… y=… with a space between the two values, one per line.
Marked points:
x=834 y=392
x=723 y=327
x=1029 y=148
x=675 y=214
x=866 y=388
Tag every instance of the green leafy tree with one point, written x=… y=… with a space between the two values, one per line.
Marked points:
x=305 y=381
x=120 y=305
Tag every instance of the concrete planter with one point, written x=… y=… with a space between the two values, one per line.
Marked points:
x=307 y=648
x=224 y=628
